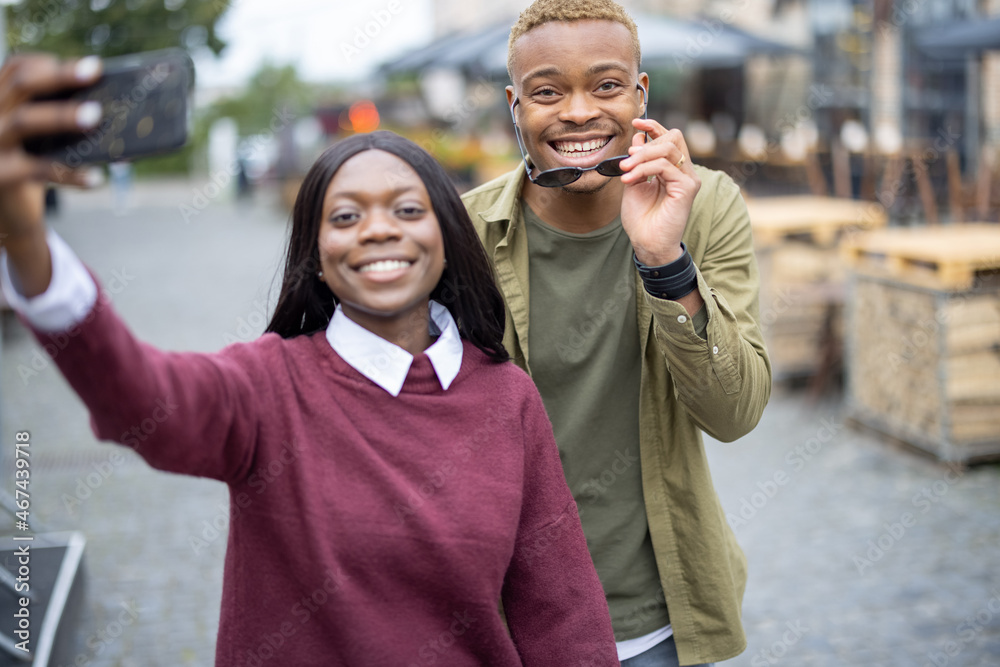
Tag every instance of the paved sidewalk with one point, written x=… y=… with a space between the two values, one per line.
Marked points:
x=860 y=553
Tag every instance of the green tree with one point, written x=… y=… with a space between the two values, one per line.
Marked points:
x=272 y=98
x=272 y=91
x=114 y=27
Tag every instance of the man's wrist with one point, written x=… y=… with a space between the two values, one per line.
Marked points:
x=669 y=281
x=660 y=257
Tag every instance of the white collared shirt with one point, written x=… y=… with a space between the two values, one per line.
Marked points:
x=387 y=364
x=72 y=293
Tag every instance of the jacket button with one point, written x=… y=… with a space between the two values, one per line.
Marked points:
x=682 y=318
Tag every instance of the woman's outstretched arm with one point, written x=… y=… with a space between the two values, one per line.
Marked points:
x=183 y=412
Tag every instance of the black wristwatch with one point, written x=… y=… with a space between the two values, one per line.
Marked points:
x=670 y=281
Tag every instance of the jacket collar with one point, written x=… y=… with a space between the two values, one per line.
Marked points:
x=503 y=209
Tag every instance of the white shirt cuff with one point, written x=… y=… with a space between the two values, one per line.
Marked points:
x=71 y=294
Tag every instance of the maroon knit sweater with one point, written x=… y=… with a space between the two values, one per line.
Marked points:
x=365 y=529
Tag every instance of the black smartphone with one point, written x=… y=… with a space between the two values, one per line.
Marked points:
x=144 y=97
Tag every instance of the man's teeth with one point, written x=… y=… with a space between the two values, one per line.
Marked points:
x=384 y=265
x=574 y=147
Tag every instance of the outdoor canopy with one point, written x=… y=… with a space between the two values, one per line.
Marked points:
x=958 y=40
x=665 y=41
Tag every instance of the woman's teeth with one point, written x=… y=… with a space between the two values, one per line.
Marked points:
x=578 y=148
x=384 y=265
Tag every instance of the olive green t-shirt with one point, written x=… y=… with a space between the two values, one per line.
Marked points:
x=585 y=361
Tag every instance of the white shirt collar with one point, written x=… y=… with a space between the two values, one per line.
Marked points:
x=387 y=364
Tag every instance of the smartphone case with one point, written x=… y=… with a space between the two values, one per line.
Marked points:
x=145 y=101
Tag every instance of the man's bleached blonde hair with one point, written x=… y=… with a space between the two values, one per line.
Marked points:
x=544 y=11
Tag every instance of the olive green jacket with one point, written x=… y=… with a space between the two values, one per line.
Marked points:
x=719 y=385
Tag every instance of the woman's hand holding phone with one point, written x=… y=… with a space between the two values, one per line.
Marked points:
x=23 y=78
x=143 y=104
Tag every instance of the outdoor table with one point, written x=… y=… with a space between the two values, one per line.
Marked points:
x=803 y=278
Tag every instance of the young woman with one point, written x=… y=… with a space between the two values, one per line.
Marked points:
x=419 y=483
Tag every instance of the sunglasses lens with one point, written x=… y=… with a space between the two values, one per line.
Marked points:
x=555 y=178
x=611 y=166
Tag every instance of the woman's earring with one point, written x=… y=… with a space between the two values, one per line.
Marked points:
x=446 y=262
x=320 y=275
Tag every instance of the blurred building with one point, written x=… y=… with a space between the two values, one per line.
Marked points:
x=882 y=70
x=724 y=64
x=755 y=15
x=855 y=83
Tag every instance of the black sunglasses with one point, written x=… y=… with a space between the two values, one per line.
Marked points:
x=560 y=176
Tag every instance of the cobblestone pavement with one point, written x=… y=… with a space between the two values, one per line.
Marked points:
x=860 y=553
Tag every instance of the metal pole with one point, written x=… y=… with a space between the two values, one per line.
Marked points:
x=972 y=116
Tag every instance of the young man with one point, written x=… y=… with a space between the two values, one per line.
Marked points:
x=641 y=328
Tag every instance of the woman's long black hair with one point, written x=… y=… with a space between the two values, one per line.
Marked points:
x=306 y=303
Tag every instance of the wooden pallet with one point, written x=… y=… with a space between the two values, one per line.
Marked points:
x=819 y=220
x=801 y=294
x=888 y=436
x=923 y=365
x=935 y=257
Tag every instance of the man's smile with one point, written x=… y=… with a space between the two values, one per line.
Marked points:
x=584 y=148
